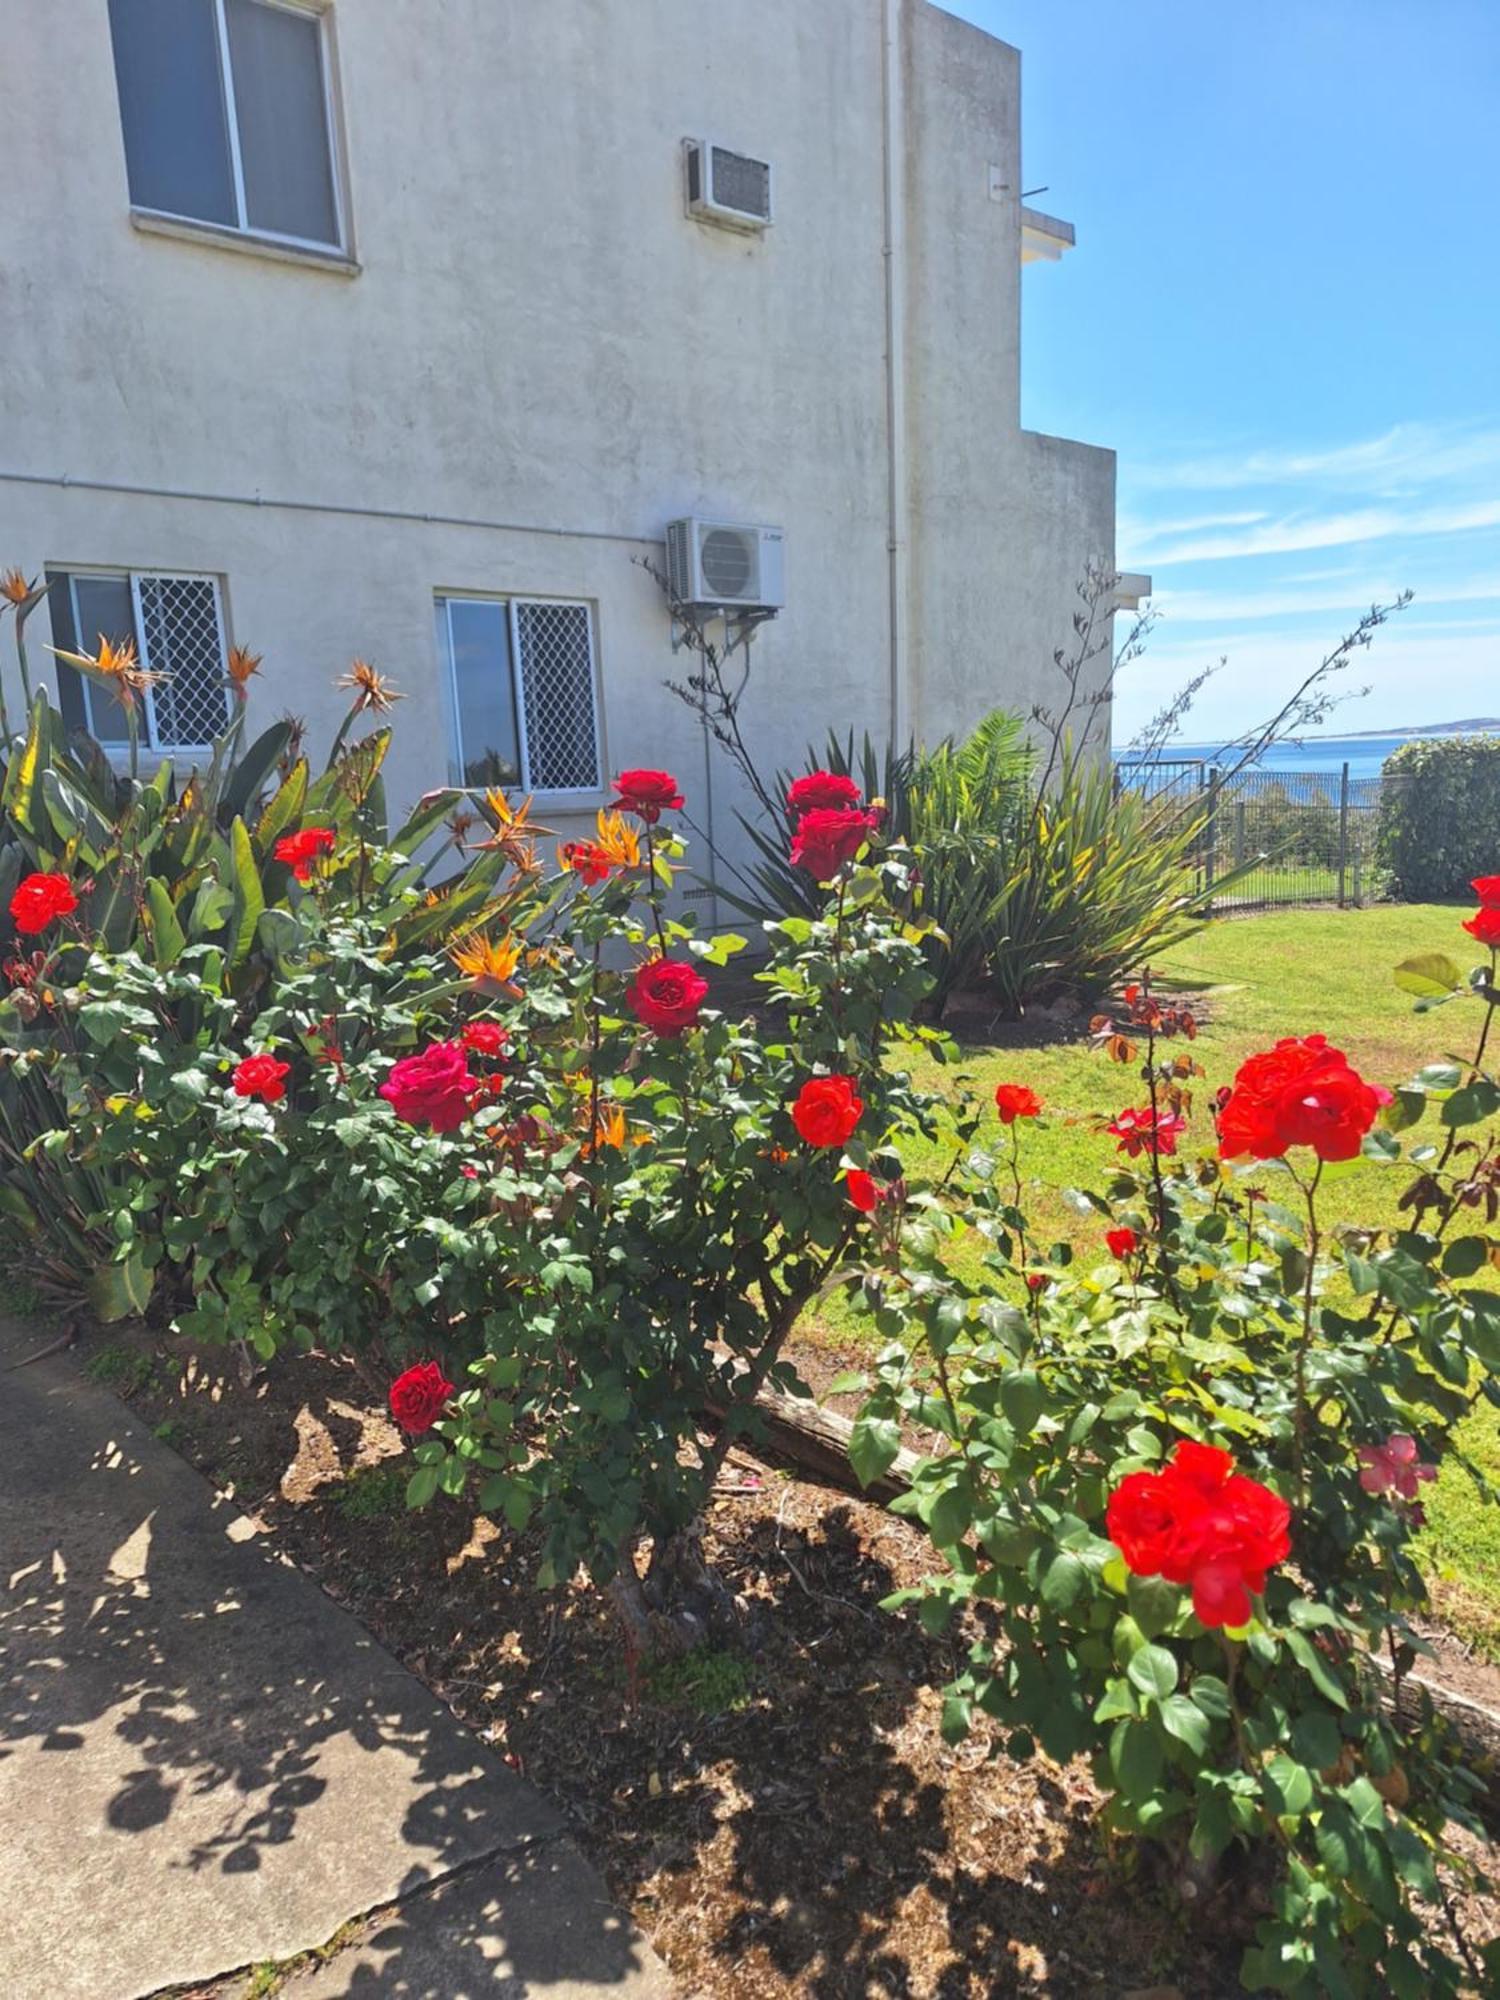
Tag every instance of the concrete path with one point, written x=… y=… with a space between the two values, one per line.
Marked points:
x=205 y=1764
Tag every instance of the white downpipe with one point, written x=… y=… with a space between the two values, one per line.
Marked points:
x=893 y=130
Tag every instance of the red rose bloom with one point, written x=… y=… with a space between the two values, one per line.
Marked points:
x=665 y=995
x=434 y=1088
x=821 y=791
x=862 y=1191
x=1200 y=1523
x=1015 y=1100
x=587 y=859
x=1122 y=1243
x=1487 y=889
x=828 y=836
x=1301 y=1093
x=827 y=1110
x=1144 y=1131
x=39 y=900
x=1484 y=924
x=484 y=1038
x=261 y=1076
x=418 y=1396
x=647 y=794
x=300 y=850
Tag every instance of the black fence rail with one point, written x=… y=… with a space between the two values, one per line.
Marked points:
x=1270 y=837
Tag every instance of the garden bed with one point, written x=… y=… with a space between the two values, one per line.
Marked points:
x=784 y=1824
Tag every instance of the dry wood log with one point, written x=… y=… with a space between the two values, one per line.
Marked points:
x=816 y=1440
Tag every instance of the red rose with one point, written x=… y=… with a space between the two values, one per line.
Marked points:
x=1122 y=1243
x=828 y=836
x=665 y=995
x=39 y=900
x=434 y=1088
x=484 y=1038
x=1015 y=1100
x=820 y=790
x=261 y=1076
x=1037 y=1281
x=1200 y=1523
x=1143 y=1131
x=827 y=1110
x=862 y=1191
x=647 y=794
x=1487 y=889
x=1484 y=924
x=300 y=850
x=418 y=1396
x=1301 y=1093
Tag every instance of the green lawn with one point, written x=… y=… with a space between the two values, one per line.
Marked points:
x=1287 y=972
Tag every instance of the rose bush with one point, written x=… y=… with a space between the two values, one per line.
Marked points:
x=1182 y=1483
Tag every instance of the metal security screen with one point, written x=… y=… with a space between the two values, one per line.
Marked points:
x=181 y=639
x=554 y=651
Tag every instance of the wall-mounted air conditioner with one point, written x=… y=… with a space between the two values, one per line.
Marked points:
x=725 y=566
x=724 y=187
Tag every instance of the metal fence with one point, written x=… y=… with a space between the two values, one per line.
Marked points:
x=1270 y=836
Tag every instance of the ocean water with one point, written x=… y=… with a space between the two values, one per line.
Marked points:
x=1319 y=754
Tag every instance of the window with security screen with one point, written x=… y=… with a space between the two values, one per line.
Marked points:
x=522 y=692
x=175 y=623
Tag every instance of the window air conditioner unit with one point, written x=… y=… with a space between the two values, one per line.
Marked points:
x=727 y=188
x=723 y=566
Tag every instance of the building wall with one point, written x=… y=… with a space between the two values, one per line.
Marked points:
x=536 y=336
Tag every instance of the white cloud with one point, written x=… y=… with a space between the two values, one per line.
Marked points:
x=1329 y=531
x=1212 y=607
x=1407 y=455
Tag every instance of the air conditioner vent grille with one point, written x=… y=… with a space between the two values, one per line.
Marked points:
x=728 y=559
x=742 y=183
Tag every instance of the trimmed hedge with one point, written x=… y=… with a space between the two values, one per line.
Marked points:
x=1440 y=815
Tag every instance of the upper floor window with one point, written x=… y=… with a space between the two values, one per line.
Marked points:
x=228 y=115
x=177 y=624
x=522 y=693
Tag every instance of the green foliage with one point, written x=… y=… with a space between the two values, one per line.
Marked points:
x=124 y=1369
x=1028 y=894
x=372 y=1492
x=705 y=1681
x=1439 y=807
x=1246 y=1325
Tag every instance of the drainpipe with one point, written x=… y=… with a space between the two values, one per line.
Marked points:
x=893 y=138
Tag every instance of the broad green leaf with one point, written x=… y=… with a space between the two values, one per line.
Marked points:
x=121 y=1291
x=1183 y=1719
x=1293 y=1785
x=1064 y=1581
x=1022 y=1400
x=1428 y=974
x=249 y=898
x=167 y=939
x=1472 y=1104
x=1153 y=1670
x=423 y=1484
x=873 y=1445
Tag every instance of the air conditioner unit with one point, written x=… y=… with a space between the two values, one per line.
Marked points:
x=723 y=566
x=725 y=187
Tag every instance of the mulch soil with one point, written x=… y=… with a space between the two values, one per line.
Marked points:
x=787 y=1822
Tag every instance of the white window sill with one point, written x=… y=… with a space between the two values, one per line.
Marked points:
x=249 y=245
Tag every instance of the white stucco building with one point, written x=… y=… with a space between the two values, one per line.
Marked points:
x=382 y=327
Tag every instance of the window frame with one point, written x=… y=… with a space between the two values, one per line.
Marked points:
x=582 y=796
x=150 y=739
x=242 y=229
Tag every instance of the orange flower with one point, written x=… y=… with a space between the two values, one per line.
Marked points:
x=15 y=588
x=372 y=690
x=514 y=832
x=116 y=666
x=242 y=666
x=486 y=961
x=618 y=843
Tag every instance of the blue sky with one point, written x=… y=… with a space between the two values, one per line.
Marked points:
x=1284 y=314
